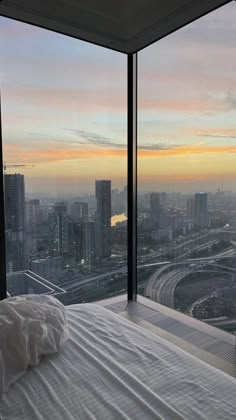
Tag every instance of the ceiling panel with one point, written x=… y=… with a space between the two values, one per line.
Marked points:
x=124 y=25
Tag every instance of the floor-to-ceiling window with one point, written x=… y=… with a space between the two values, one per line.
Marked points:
x=187 y=169
x=65 y=157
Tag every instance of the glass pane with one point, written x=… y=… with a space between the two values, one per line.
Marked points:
x=187 y=170
x=65 y=153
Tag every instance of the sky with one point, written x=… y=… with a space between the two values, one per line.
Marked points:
x=64 y=109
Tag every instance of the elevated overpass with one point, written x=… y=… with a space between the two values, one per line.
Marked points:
x=162 y=284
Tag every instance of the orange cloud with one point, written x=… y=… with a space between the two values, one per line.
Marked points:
x=181 y=104
x=186 y=150
x=210 y=131
x=16 y=154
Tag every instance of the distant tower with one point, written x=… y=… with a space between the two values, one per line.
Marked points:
x=79 y=211
x=83 y=242
x=201 y=218
x=190 y=208
x=33 y=213
x=103 y=219
x=58 y=230
x=50 y=268
x=163 y=201
x=155 y=209
x=14 y=192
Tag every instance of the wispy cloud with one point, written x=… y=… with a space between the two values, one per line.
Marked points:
x=157 y=147
x=91 y=138
x=186 y=151
x=13 y=167
x=229 y=133
x=218 y=136
x=88 y=137
x=37 y=134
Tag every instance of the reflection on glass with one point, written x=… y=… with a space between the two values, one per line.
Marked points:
x=64 y=144
x=187 y=170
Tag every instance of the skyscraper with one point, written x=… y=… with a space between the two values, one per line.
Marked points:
x=82 y=242
x=79 y=211
x=58 y=230
x=201 y=210
x=103 y=218
x=14 y=194
x=33 y=214
x=163 y=201
x=50 y=268
x=190 y=208
x=155 y=209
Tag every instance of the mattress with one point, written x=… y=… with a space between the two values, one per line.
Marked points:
x=113 y=369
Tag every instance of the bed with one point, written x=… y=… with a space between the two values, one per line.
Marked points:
x=112 y=369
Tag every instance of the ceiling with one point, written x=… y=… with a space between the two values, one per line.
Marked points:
x=125 y=25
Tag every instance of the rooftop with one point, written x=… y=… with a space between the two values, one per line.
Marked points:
x=27 y=282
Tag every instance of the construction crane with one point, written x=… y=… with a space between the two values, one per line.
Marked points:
x=20 y=165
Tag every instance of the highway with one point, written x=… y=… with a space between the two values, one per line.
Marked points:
x=162 y=288
x=196 y=249
x=77 y=282
x=162 y=283
x=165 y=278
x=165 y=287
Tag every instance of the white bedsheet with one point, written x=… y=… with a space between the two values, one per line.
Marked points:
x=113 y=369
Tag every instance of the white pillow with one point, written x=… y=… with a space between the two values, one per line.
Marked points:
x=31 y=326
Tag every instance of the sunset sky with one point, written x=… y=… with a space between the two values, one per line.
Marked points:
x=64 y=109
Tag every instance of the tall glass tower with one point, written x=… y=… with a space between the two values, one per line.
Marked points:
x=14 y=191
x=103 y=219
x=201 y=218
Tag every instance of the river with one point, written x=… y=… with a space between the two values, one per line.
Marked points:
x=118 y=218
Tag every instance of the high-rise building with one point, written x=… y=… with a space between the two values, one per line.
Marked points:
x=82 y=241
x=190 y=208
x=49 y=268
x=103 y=218
x=163 y=201
x=201 y=218
x=155 y=209
x=58 y=230
x=33 y=213
x=14 y=194
x=44 y=212
x=60 y=207
x=79 y=211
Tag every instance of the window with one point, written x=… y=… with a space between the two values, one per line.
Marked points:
x=65 y=147
x=186 y=169
x=65 y=152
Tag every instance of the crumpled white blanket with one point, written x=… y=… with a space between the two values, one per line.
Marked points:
x=31 y=326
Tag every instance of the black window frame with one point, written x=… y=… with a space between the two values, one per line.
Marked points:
x=3 y=277
x=131 y=190
x=132 y=110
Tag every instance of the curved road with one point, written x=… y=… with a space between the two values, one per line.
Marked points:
x=161 y=286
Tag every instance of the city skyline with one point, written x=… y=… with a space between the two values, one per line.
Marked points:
x=74 y=196
x=183 y=240
x=64 y=110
